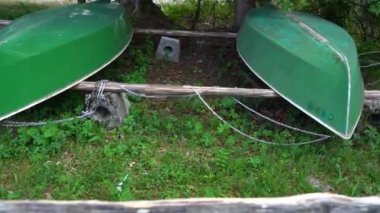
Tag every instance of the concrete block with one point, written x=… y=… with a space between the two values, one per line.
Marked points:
x=169 y=49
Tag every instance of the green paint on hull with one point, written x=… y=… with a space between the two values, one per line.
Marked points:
x=47 y=52
x=309 y=61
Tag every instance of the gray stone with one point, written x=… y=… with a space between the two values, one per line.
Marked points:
x=111 y=110
x=169 y=49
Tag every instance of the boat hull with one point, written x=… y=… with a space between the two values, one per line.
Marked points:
x=45 y=53
x=310 y=62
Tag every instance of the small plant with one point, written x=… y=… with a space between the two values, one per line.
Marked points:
x=142 y=61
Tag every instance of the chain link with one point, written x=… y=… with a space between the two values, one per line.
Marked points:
x=91 y=104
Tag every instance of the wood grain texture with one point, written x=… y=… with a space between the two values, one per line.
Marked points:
x=164 y=32
x=301 y=203
x=187 y=89
x=183 y=33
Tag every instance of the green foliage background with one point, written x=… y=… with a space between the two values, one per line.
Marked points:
x=360 y=17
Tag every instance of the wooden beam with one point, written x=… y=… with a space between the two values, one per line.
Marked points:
x=178 y=90
x=302 y=203
x=183 y=33
x=186 y=90
x=178 y=33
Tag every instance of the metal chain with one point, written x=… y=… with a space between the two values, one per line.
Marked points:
x=17 y=124
x=91 y=104
x=97 y=95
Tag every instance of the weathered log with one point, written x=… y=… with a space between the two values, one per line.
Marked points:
x=183 y=33
x=152 y=89
x=301 y=203
x=179 y=33
x=186 y=90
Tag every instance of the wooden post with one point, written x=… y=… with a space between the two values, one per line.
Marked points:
x=186 y=90
x=178 y=90
x=184 y=33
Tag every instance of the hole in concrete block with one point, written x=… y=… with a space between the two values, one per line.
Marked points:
x=168 y=50
x=102 y=113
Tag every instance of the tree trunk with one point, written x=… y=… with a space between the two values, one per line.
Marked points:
x=241 y=9
x=147 y=7
x=197 y=14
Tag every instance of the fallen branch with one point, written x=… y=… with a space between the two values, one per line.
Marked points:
x=186 y=90
x=301 y=203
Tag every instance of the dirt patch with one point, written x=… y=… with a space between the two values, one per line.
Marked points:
x=202 y=62
x=213 y=62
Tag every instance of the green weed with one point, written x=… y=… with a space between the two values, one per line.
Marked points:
x=213 y=13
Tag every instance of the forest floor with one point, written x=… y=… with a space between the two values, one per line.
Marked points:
x=176 y=148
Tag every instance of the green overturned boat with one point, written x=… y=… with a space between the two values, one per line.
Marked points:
x=310 y=62
x=47 y=52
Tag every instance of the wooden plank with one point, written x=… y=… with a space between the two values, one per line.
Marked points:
x=179 y=33
x=186 y=90
x=302 y=203
x=183 y=33
x=152 y=89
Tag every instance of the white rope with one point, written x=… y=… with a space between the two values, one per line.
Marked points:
x=279 y=123
x=323 y=138
x=371 y=65
x=369 y=53
x=375 y=64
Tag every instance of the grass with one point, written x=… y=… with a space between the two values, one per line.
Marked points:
x=171 y=156
x=175 y=149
